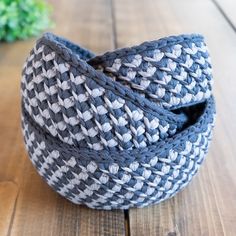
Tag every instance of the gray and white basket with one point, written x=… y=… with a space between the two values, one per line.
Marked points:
x=125 y=129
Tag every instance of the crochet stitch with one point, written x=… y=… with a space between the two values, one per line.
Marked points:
x=124 y=129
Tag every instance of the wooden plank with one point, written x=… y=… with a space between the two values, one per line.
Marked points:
x=38 y=210
x=227 y=8
x=8 y=195
x=208 y=205
x=86 y=22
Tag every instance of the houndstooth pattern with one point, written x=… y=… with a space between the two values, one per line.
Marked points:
x=173 y=76
x=101 y=130
x=76 y=109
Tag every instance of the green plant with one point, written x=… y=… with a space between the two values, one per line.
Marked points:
x=20 y=19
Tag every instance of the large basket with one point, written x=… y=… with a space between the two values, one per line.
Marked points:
x=125 y=129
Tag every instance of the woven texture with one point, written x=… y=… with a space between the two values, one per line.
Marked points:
x=125 y=129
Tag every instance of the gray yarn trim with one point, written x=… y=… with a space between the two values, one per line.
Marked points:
x=125 y=157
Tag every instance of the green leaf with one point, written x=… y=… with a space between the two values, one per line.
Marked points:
x=21 y=19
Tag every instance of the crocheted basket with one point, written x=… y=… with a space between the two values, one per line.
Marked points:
x=125 y=129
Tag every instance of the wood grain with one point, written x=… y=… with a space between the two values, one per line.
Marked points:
x=8 y=196
x=36 y=209
x=207 y=205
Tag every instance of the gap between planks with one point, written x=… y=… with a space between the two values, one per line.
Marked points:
x=224 y=14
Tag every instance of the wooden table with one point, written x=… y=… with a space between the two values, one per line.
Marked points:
x=207 y=206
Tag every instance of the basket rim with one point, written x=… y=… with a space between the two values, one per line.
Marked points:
x=127 y=156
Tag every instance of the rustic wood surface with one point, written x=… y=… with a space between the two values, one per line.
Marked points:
x=207 y=206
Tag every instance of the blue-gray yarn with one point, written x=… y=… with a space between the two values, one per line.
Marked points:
x=124 y=129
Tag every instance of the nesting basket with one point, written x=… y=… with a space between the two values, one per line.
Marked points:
x=124 y=129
